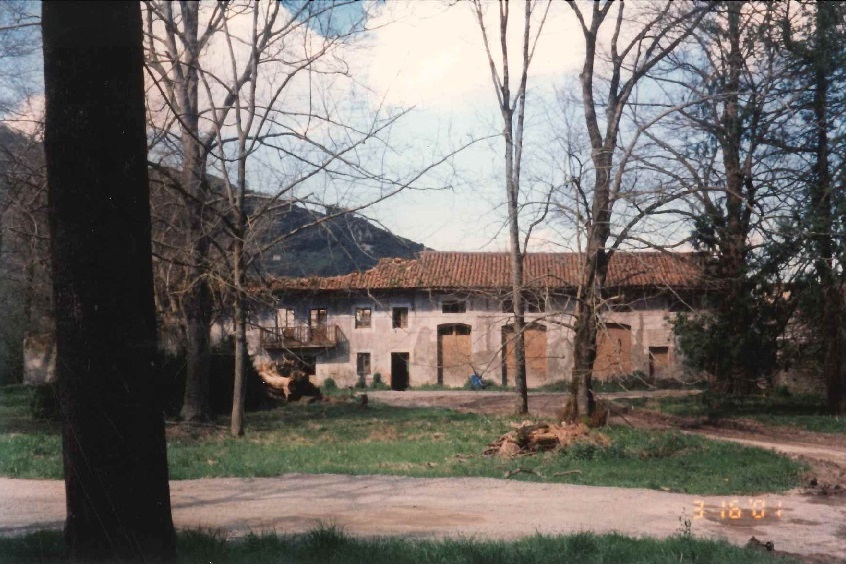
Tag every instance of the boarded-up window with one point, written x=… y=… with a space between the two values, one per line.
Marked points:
x=400 y=317
x=362 y=363
x=613 y=351
x=362 y=317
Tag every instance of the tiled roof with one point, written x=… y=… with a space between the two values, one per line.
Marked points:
x=458 y=270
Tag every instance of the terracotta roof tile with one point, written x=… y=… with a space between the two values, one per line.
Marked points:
x=433 y=269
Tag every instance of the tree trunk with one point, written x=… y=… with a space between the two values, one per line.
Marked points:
x=116 y=480
x=518 y=306
x=240 y=312
x=595 y=271
x=822 y=228
x=197 y=304
x=734 y=233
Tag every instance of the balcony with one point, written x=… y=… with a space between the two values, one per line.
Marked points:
x=300 y=337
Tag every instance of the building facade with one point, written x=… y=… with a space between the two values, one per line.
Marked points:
x=441 y=317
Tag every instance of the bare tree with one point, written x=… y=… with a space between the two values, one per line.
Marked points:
x=512 y=107
x=635 y=47
x=115 y=463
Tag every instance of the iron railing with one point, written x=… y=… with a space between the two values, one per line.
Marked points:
x=300 y=337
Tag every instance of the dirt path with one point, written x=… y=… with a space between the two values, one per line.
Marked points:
x=468 y=507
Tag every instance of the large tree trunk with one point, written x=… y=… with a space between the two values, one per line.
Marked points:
x=197 y=304
x=734 y=233
x=589 y=299
x=822 y=227
x=116 y=480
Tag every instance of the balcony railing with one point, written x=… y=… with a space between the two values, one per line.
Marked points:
x=300 y=337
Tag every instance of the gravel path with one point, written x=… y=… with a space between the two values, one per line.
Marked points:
x=468 y=507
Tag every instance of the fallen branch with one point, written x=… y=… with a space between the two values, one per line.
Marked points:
x=566 y=473
x=523 y=470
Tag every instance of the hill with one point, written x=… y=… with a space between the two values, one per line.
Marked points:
x=331 y=244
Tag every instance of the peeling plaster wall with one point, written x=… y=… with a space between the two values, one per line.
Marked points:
x=647 y=319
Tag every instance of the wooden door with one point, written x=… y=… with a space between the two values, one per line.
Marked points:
x=613 y=351
x=454 y=354
x=536 y=354
x=659 y=362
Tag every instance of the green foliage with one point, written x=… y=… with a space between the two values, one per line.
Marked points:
x=329 y=385
x=378 y=384
x=329 y=545
x=801 y=411
x=45 y=403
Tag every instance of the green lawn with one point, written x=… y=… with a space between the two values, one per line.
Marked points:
x=327 y=438
x=805 y=412
x=329 y=546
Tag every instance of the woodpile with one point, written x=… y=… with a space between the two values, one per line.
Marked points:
x=529 y=437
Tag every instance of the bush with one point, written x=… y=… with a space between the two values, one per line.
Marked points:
x=329 y=385
x=377 y=383
x=45 y=403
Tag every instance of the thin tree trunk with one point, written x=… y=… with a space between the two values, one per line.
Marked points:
x=115 y=463
x=197 y=304
x=516 y=255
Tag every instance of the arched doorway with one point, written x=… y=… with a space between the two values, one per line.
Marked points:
x=454 y=354
x=536 y=354
x=613 y=351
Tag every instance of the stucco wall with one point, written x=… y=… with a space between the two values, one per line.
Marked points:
x=419 y=339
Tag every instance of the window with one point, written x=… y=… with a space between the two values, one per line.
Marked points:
x=456 y=306
x=531 y=304
x=362 y=317
x=317 y=317
x=362 y=364
x=400 y=317
x=285 y=317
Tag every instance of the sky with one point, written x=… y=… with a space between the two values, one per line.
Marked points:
x=428 y=57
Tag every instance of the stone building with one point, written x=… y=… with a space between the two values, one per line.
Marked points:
x=442 y=316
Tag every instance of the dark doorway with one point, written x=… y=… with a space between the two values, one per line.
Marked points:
x=399 y=371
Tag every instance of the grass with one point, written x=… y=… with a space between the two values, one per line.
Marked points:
x=331 y=546
x=805 y=412
x=332 y=438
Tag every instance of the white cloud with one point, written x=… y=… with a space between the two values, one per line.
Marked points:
x=431 y=54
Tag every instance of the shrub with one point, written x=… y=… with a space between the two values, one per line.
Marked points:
x=45 y=403
x=377 y=383
x=329 y=385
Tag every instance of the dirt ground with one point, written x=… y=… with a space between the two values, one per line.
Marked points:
x=810 y=522
x=810 y=526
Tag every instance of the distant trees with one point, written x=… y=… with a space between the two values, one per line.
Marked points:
x=727 y=85
x=116 y=479
x=814 y=34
